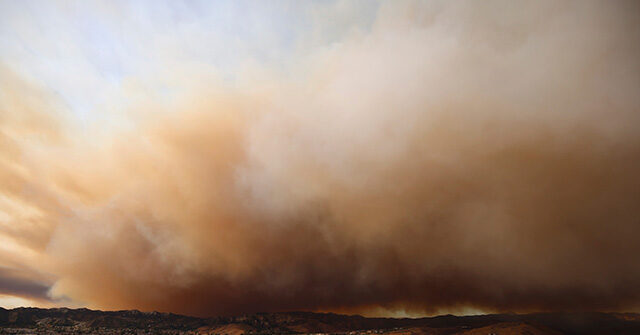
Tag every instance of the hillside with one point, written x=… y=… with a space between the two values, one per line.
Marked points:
x=86 y=321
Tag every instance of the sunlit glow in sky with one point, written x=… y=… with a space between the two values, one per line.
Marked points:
x=87 y=50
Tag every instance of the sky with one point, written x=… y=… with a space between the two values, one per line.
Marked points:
x=374 y=157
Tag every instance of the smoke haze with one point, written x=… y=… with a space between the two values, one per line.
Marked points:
x=454 y=155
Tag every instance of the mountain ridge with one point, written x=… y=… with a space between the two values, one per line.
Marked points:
x=33 y=320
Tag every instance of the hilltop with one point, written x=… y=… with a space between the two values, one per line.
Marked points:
x=86 y=321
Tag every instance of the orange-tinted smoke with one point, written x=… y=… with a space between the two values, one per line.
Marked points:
x=462 y=154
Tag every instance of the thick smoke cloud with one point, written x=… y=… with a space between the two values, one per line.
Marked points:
x=459 y=154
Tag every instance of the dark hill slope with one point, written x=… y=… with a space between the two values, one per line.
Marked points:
x=79 y=321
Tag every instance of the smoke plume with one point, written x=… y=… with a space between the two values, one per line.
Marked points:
x=458 y=154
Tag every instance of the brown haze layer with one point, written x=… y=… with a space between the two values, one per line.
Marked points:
x=481 y=154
